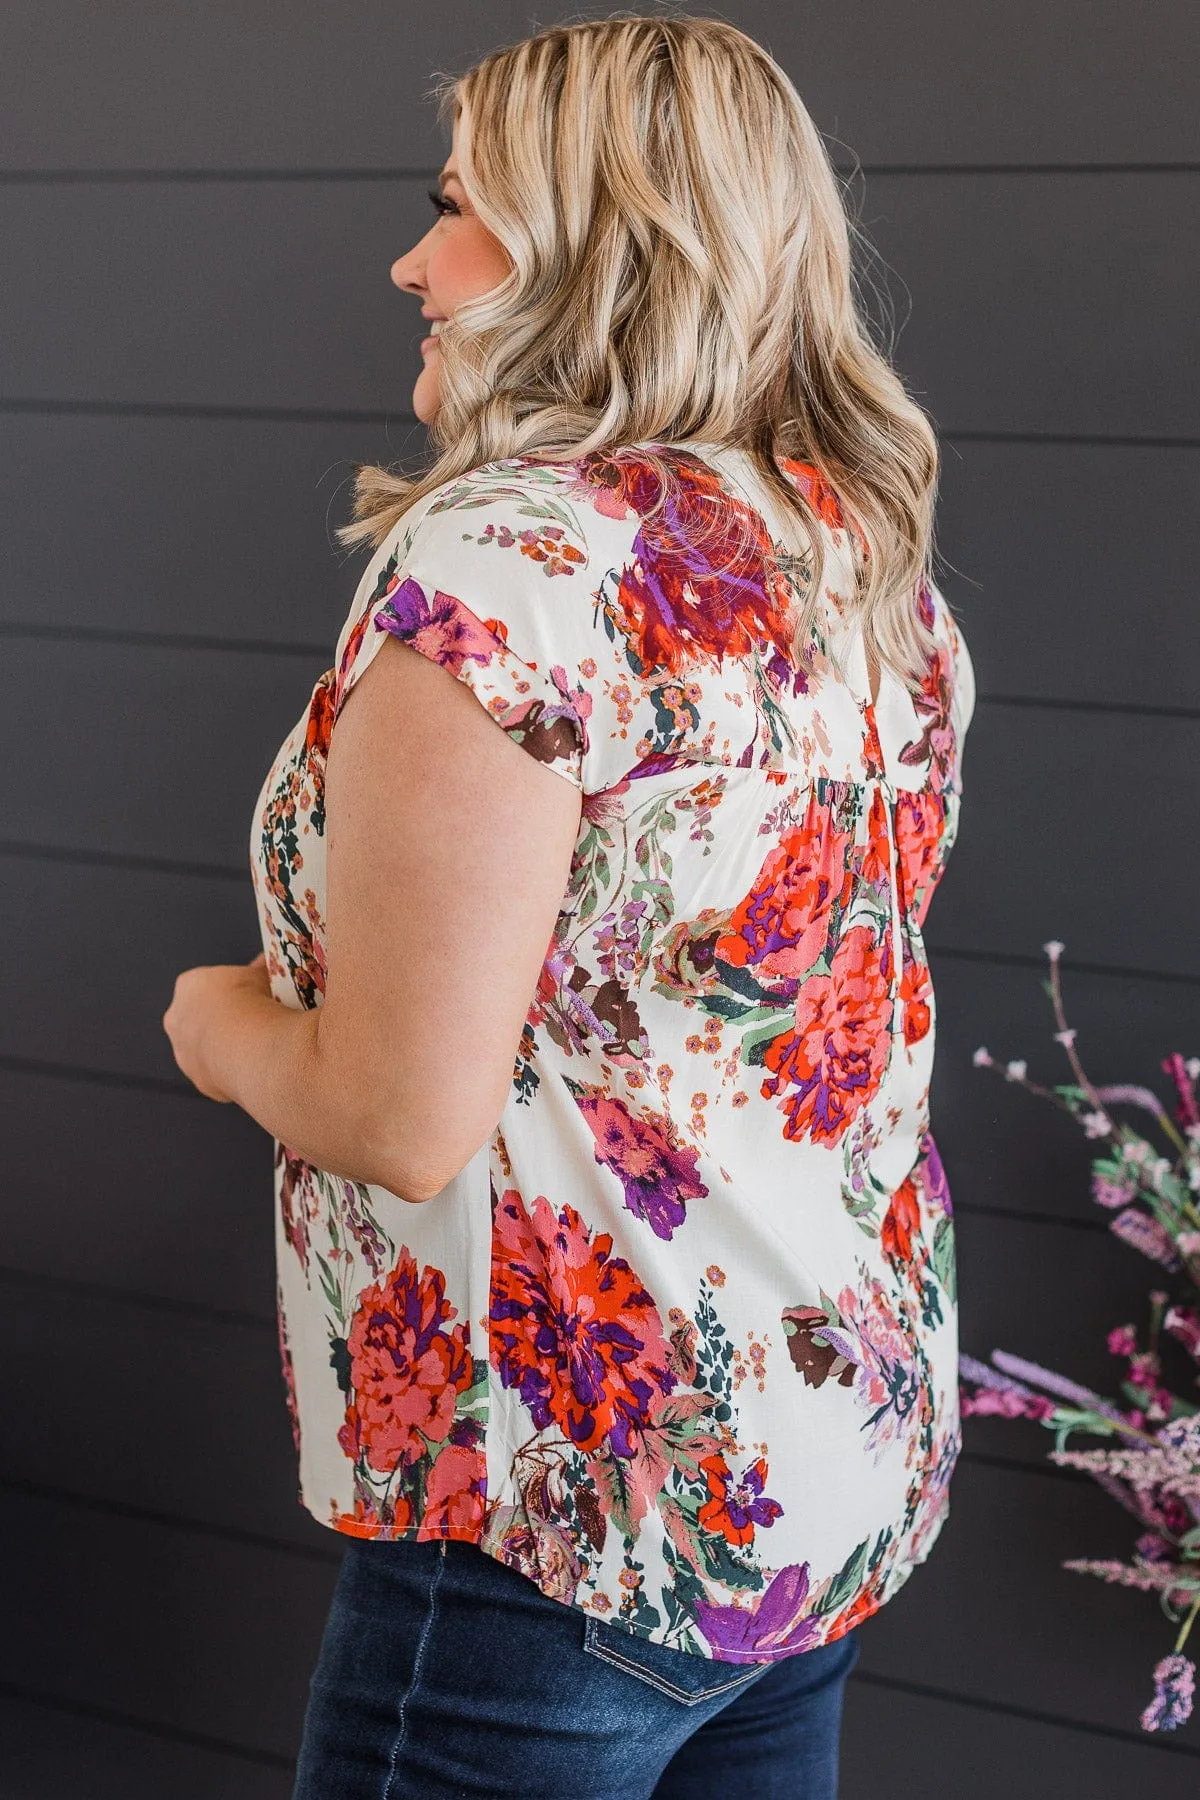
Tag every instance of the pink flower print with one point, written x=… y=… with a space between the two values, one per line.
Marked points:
x=781 y=927
x=657 y=1173
x=832 y=1061
x=455 y=1493
x=406 y=1368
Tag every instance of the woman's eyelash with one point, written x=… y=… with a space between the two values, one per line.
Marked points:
x=441 y=204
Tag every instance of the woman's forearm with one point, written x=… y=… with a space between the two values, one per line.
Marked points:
x=270 y=1061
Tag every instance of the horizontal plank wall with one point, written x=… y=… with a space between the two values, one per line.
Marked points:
x=198 y=339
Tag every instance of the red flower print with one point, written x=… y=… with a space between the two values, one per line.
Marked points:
x=735 y=1507
x=862 y=1607
x=572 y=1327
x=833 y=1060
x=454 y=1493
x=368 y=1521
x=915 y=991
x=353 y=643
x=820 y=496
x=920 y=827
x=406 y=1370
x=876 y=858
x=781 y=927
x=320 y=719
x=690 y=591
x=657 y=1173
x=901 y=1222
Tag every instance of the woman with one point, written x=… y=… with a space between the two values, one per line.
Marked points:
x=616 y=1264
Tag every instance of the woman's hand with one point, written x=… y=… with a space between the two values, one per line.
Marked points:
x=193 y=1016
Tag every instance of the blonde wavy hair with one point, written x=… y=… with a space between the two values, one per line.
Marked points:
x=681 y=269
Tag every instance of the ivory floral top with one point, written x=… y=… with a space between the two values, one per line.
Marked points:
x=680 y=1343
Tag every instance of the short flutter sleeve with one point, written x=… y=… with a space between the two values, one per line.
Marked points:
x=459 y=587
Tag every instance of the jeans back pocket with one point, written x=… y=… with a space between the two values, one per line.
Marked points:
x=678 y=1673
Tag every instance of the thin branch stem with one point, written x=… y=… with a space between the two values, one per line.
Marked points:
x=1181 y=1640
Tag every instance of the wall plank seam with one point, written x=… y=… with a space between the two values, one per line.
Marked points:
x=982 y=1704
x=107 y=1715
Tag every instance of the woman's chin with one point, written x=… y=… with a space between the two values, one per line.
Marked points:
x=425 y=394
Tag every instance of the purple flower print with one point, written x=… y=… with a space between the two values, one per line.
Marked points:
x=736 y=1504
x=657 y=1173
x=773 y=1625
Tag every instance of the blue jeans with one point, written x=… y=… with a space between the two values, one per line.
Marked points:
x=443 y=1672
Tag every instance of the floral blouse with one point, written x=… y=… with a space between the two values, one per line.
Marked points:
x=680 y=1343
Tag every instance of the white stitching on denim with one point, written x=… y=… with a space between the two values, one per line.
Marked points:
x=435 y=1578
x=610 y=1654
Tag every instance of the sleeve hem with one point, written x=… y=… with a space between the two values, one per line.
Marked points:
x=528 y=703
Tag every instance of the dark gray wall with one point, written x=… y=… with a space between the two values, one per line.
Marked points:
x=199 y=209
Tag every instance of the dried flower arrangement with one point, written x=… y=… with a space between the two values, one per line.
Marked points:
x=1152 y=1464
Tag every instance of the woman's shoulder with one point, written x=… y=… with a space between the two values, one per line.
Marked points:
x=521 y=516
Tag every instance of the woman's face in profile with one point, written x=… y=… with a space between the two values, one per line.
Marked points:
x=456 y=260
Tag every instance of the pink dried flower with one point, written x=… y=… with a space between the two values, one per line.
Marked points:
x=1149 y=1467
x=1097 y=1124
x=1174 y=1687
x=1005 y=1403
x=1183 y=1322
x=982 y=1058
x=1122 y=1340
x=1151 y=1579
x=1066 y=1037
x=1183 y=1074
x=1143 y=1233
x=1054 y=949
x=1110 y=1193
x=1183 y=1434
x=1016 y=1071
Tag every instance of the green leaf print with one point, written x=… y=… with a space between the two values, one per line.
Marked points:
x=845 y=1584
x=943 y=1258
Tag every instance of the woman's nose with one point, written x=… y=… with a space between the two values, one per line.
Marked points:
x=406 y=279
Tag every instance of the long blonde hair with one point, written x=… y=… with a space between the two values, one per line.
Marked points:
x=681 y=270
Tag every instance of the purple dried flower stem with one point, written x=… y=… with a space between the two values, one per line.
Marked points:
x=983 y=1375
x=1066 y=1389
